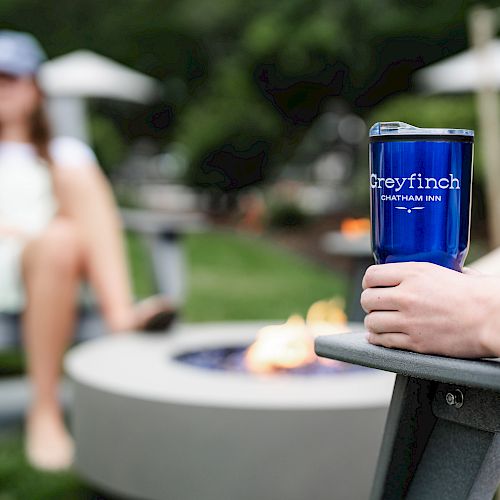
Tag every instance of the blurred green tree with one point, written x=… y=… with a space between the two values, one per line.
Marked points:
x=244 y=79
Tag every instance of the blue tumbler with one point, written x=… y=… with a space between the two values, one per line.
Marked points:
x=420 y=184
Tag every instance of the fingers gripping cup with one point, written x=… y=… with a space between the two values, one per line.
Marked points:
x=420 y=183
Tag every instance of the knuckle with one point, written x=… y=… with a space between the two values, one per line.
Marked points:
x=406 y=300
x=403 y=299
x=368 y=278
x=402 y=325
x=365 y=300
x=422 y=267
x=418 y=269
x=415 y=340
x=409 y=328
x=416 y=345
x=387 y=342
x=368 y=322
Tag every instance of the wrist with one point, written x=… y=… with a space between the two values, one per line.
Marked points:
x=489 y=320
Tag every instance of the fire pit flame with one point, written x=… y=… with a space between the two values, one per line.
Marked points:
x=291 y=345
x=355 y=228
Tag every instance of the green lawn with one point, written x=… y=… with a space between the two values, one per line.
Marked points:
x=231 y=278
x=243 y=278
x=236 y=278
x=18 y=481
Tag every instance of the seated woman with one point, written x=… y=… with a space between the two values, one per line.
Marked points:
x=58 y=225
x=429 y=309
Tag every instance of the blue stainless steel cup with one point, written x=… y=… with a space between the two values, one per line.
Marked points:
x=420 y=183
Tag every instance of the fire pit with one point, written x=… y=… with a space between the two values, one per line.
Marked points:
x=183 y=417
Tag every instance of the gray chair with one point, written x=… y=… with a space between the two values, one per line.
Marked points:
x=89 y=325
x=442 y=434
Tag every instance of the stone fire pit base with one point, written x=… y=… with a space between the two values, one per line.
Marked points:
x=149 y=427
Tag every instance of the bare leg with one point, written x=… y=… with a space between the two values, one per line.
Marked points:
x=52 y=266
x=86 y=198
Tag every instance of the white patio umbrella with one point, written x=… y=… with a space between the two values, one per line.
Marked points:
x=477 y=70
x=70 y=79
x=464 y=72
x=86 y=74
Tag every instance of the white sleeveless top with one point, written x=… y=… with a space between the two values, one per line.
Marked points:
x=27 y=202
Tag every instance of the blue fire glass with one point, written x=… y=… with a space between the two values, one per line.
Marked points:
x=420 y=183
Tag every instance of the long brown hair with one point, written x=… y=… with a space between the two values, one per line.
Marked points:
x=40 y=132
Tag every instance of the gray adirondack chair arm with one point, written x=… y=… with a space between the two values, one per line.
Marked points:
x=442 y=434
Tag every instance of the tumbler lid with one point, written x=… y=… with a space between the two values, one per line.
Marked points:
x=401 y=129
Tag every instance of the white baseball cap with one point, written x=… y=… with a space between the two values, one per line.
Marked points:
x=20 y=53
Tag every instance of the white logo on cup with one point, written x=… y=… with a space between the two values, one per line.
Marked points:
x=409 y=210
x=413 y=182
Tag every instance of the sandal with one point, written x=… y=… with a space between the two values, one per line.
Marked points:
x=155 y=314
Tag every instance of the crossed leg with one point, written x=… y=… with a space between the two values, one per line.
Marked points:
x=85 y=239
x=85 y=197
